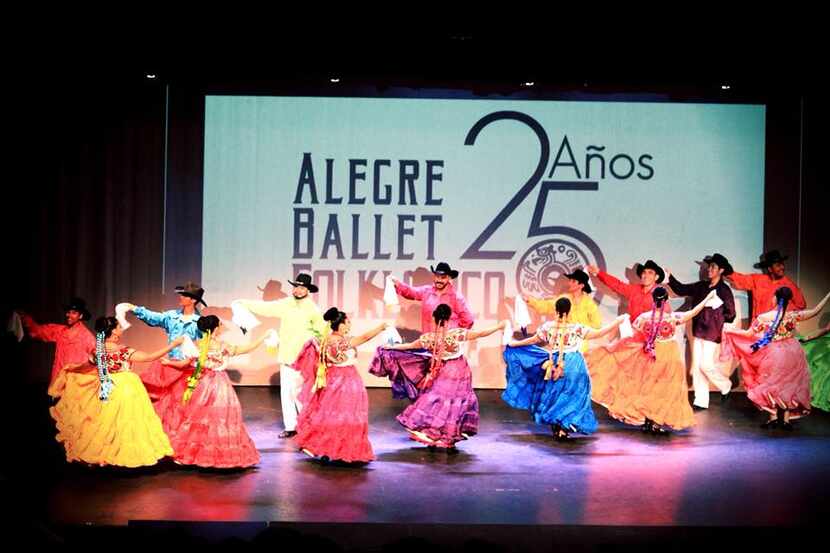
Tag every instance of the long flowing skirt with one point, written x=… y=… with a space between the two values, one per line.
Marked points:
x=634 y=386
x=775 y=376
x=565 y=401
x=818 y=360
x=208 y=430
x=444 y=413
x=335 y=420
x=122 y=431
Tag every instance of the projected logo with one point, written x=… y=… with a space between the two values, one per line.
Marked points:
x=541 y=268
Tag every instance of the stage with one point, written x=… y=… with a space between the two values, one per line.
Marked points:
x=510 y=484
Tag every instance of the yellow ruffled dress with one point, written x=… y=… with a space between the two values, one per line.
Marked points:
x=122 y=431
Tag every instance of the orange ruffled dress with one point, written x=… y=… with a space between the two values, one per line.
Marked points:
x=634 y=385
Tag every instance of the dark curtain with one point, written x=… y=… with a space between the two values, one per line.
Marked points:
x=90 y=205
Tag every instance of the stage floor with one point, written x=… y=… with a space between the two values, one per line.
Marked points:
x=725 y=472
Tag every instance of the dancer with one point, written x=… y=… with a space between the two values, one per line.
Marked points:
x=159 y=379
x=774 y=365
x=176 y=322
x=553 y=383
x=642 y=380
x=334 y=422
x=763 y=286
x=707 y=328
x=201 y=414
x=73 y=340
x=817 y=350
x=584 y=310
x=441 y=291
x=300 y=321
x=105 y=417
x=638 y=296
x=445 y=410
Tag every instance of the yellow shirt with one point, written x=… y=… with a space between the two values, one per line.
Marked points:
x=300 y=319
x=584 y=312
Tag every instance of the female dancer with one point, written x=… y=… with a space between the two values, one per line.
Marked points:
x=773 y=364
x=642 y=379
x=334 y=422
x=105 y=417
x=446 y=408
x=201 y=412
x=553 y=383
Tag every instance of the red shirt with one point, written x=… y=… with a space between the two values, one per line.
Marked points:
x=763 y=289
x=639 y=300
x=73 y=344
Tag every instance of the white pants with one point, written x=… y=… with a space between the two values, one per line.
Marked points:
x=291 y=382
x=705 y=370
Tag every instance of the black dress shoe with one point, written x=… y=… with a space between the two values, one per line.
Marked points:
x=698 y=408
x=287 y=434
x=787 y=426
x=725 y=397
x=770 y=424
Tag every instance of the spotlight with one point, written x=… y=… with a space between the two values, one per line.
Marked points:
x=725 y=86
x=334 y=80
x=528 y=83
x=150 y=76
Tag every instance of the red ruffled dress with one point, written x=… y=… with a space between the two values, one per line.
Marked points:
x=334 y=422
x=208 y=430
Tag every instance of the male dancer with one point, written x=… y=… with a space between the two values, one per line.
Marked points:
x=73 y=341
x=638 y=295
x=441 y=291
x=707 y=327
x=300 y=321
x=763 y=286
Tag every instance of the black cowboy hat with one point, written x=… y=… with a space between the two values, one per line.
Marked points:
x=581 y=276
x=721 y=262
x=661 y=274
x=769 y=258
x=304 y=280
x=79 y=305
x=192 y=290
x=443 y=269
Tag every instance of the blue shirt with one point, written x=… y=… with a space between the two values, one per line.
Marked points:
x=174 y=324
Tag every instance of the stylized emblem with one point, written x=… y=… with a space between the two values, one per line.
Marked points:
x=540 y=270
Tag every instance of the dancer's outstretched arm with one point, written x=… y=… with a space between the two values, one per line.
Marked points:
x=366 y=336
x=687 y=315
x=409 y=292
x=410 y=345
x=245 y=348
x=810 y=313
x=475 y=334
x=145 y=357
x=593 y=334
